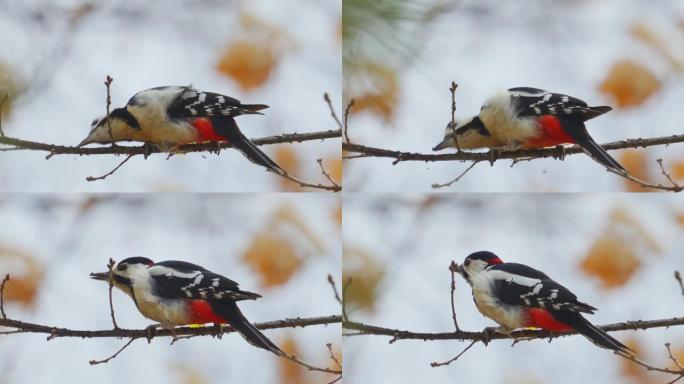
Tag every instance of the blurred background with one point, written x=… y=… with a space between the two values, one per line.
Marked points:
x=400 y=57
x=56 y=55
x=615 y=252
x=281 y=246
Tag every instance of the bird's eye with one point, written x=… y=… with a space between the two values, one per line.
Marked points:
x=467 y=262
x=122 y=267
x=94 y=122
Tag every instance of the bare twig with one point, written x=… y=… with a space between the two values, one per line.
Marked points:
x=2 y=295
x=650 y=367
x=334 y=187
x=674 y=359
x=110 y=264
x=448 y=184
x=436 y=364
x=310 y=367
x=452 y=89
x=332 y=355
x=345 y=286
x=334 y=288
x=327 y=175
x=91 y=178
x=453 y=268
x=678 y=277
x=646 y=184
x=95 y=362
x=662 y=169
x=346 y=120
x=326 y=97
x=108 y=84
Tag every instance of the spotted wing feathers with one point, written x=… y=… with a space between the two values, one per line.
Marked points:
x=537 y=102
x=193 y=103
x=518 y=284
x=179 y=279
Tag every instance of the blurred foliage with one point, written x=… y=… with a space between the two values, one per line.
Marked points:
x=251 y=58
x=379 y=38
x=286 y=156
x=9 y=87
x=187 y=374
x=290 y=373
x=630 y=84
x=26 y=275
x=637 y=163
x=274 y=253
x=617 y=253
x=366 y=274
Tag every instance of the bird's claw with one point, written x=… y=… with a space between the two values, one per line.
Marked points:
x=150 y=332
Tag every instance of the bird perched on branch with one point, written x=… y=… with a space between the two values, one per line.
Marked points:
x=529 y=118
x=517 y=296
x=175 y=115
x=180 y=293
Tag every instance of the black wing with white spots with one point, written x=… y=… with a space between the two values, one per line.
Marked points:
x=193 y=103
x=537 y=102
x=179 y=279
x=525 y=286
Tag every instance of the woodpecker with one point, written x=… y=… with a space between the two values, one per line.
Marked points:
x=517 y=296
x=173 y=115
x=180 y=293
x=526 y=117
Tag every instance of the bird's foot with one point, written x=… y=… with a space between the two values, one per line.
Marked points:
x=561 y=152
x=218 y=329
x=494 y=154
x=489 y=332
x=148 y=149
x=151 y=332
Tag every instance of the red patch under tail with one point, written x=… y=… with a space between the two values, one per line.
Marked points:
x=203 y=313
x=551 y=133
x=542 y=318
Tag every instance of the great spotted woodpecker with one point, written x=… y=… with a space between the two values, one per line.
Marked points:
x=180 y=293
x=175 y=115
x=517 y=296
x=529 y=118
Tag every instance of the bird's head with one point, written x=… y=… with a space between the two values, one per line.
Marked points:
x=125 y=272
x=470 y=133
x=120 y=125
x=477 y=262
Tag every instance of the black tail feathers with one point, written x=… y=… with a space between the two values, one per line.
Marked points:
x=600 y=337
x=227 y=127
x=231 y=312
x=579 y=133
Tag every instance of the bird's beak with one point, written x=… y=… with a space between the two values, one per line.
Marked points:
x=446 y=143
x=85 y=141
x=104 y=276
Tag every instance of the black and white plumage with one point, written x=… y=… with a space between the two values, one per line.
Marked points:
x=174 y=115
x=525 y=117
x=179 y=293
x=518 y=296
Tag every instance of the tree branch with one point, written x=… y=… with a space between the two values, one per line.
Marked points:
x=55 y=332
x=492 y=156
x=19 y=144
x=398 y=334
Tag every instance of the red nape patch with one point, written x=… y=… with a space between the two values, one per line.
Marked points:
x=541 y=318
x=206 y=131
x=495 y=260
x=202 y=313
x=552 y=133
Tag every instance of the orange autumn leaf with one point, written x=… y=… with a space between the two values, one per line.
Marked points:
x=382 y=95
x=678 y=353
x=636 y=163
x=25 y=273
x=249 y=63
x=629 y=369
x=338 y=214
x=648 y=36
x=279 y=250
x=274 y=258
x=333 y=166
x=679 y=217
x=630 y=84
x=366 y=274
x=288 y=159
x=617 y=253
x=290 y=373
x=677 y=171
x=188 y=374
